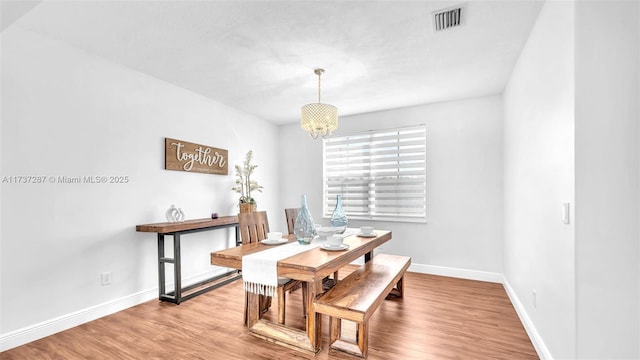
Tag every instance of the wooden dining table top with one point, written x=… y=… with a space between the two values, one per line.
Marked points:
x=307 y=265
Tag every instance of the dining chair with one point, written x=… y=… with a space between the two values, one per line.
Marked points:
x=291 y=214
x=254 y=227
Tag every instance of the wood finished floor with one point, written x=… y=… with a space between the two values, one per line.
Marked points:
x=439 y=318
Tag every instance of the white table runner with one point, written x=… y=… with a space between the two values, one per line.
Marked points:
x=260 y=270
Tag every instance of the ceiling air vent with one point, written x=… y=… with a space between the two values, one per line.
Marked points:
x=446 y=19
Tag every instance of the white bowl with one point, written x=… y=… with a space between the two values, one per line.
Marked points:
x=323 y=232
x=275 y=235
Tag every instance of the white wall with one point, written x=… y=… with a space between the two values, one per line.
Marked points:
x=69 y=113
x=538 y=179
x=464 y=184
x=571 y=135
x=607 y=235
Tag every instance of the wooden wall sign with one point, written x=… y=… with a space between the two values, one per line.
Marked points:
x=185 y=156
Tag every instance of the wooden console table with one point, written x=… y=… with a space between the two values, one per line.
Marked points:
x=176 y=229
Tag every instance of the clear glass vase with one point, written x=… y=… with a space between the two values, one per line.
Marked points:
x=304 y=228
x=339 y=216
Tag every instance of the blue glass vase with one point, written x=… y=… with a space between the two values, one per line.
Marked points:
x=304 y=228
x=339 y=216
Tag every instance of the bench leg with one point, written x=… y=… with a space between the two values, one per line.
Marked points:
x=357 y=348
x=398 y=291
x=363 y=338
x=335 y=329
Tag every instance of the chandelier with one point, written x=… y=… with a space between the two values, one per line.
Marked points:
x=318 y=118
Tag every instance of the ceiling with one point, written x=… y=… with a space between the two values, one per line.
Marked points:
x=259 y=56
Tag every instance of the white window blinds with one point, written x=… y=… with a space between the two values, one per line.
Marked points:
x=381 y=174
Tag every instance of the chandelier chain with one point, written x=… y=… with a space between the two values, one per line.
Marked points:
x=319 y=72
x=319 y=75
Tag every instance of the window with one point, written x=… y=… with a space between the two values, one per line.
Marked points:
x=380 y=174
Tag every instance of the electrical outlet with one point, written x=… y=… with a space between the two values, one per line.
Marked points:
x=534 y=295
x=105 y=278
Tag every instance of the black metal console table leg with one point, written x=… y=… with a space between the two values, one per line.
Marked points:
x=161 y=281
x=176 y=296
x=177 y=273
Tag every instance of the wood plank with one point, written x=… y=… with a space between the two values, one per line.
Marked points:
x=358 y=295
x=321 y=263
x=170 y=227
x=308 y=265
x=182 y=155
x=347 y=347
x=438 y=318
x=279 y=334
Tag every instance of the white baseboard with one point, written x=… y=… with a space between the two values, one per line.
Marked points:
x=457 y=273
x=538 y=343
x=61 y=323
x=449 y=271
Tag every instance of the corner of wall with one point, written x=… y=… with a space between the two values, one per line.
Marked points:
x=529 y=326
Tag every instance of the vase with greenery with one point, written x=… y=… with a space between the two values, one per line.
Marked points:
x=245 y=185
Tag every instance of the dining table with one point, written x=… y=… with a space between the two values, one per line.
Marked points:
x=310 y=266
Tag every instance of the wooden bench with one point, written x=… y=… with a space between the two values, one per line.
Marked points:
x=357 y=297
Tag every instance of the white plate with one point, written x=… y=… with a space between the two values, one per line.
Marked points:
x=367 y=235
x=274 y=241
x=334 y=248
